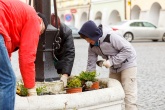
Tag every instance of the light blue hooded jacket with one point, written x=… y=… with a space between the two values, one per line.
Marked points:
x=113 y=47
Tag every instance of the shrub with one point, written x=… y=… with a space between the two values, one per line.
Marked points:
x=88 y=76
x=74 y=82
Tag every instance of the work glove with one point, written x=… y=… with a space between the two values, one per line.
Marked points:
x=32 y=92
x=64 y=79
x=105 y=63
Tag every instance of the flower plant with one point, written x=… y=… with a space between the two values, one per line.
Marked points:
x=74 y=82
x=88 y=76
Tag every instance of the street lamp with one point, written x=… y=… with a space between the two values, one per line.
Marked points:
x=44 y=64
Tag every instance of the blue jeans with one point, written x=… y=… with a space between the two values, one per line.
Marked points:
x=7 y=79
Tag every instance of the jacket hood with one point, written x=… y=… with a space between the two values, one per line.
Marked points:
x=90 y=30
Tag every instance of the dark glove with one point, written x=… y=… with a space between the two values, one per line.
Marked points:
x=100 y=63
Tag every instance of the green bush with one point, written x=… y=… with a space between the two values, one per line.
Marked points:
x=88 y=76
x=74 y=82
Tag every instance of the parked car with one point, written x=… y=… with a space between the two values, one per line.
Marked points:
x=139 y=30
x=74 y=32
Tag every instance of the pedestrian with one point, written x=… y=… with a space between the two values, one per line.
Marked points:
x=20 y=28
x=66 y=53
x=118 y=54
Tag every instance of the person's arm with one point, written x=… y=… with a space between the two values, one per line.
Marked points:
x=65 y=63
x=124 y=47
x=27 y=50
x=68 y=57
x=92 y=59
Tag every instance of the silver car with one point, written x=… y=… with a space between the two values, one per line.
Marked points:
x=139 y=30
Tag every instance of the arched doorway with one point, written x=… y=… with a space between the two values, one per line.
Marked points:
x=154 y=13
x=135 y=12
x=98 y=18
x=83 y=19
x=114 y=17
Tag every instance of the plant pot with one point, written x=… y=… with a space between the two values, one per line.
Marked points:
x=73 y=90
x=95 y=85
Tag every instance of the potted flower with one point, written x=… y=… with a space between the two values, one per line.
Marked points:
x=73 y=85
x=89 y=80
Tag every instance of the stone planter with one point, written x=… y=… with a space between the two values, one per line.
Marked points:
x=110 y=98
x=54 y=87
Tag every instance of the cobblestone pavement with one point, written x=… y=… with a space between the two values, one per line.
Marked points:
x=151 y=71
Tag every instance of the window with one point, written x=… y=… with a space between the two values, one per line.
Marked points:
x=146 y=24
x=136 y=24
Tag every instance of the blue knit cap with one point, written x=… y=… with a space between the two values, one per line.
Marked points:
x=90 y=30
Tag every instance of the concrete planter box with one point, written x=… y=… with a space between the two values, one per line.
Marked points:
x=110 y=98
x=55 y=87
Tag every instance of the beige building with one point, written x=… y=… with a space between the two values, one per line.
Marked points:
x=151 y=10
x=73 y=12
x=76 y=12
x=112 y=11
x=107 y=11
x=101 y=11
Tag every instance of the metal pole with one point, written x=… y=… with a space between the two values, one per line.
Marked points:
x=125 y=3
x=57 y=38
x=45 y=70
x=29 y=2
x=55 y=12
x=43 y=6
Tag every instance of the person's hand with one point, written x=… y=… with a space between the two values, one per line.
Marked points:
x=64 y=78
x=32 y=92
x=105 y=63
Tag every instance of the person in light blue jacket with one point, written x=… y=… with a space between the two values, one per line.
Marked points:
x=118 y=55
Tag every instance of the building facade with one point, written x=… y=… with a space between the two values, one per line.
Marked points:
x=76 y=12
x=100 y=11
x=151 y=10
x=73 y=12
x=107 y=11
